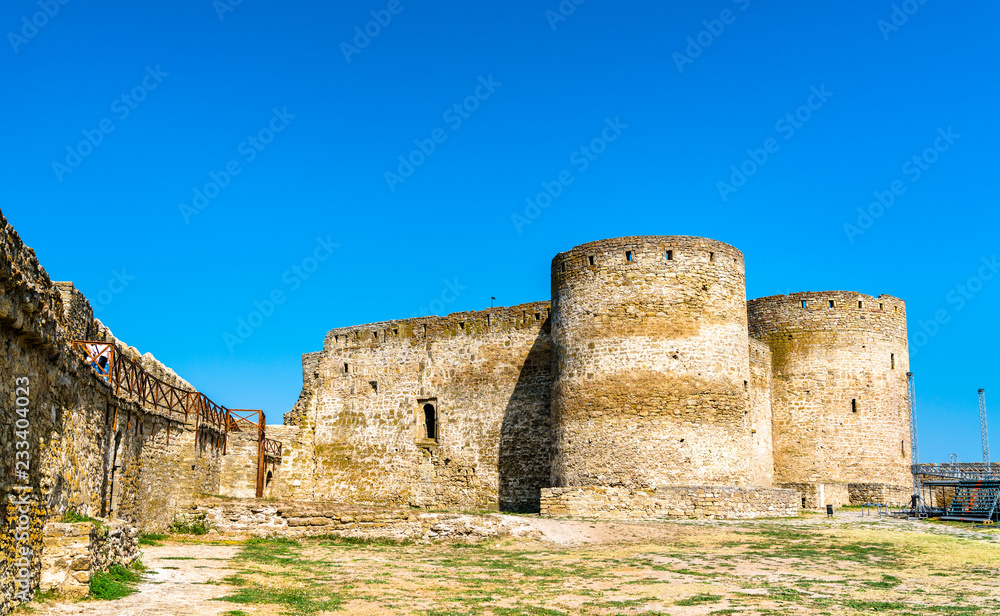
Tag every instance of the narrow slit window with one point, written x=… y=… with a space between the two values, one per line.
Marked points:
x=347 y=369
x=805 y=303
x=881 y=306
x=375 y=335
x=628 y=256
x=892 y=360
x=670 y=255
x=861 y=304
x=590 y=261
x=711 y=257
x=854 y=405
x=833 y=303
x=430 y=422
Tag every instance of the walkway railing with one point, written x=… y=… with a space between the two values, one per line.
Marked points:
x=128 y=377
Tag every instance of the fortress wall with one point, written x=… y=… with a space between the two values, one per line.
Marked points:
x=71 y=432
x=762 y=447
x=653 y=365
x=487 y=375
x=823 y=359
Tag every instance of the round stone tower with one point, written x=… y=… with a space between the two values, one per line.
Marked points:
x=840 y=397
x=652 y=364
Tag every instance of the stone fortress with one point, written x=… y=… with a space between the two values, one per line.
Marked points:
x=648 y=386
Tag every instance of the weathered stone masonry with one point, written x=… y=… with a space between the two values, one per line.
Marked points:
x=88 y=449
x=650 y=372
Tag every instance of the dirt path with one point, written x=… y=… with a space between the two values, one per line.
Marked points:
x=176 y=585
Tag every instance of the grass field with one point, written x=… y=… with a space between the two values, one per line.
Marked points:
x=765 y=568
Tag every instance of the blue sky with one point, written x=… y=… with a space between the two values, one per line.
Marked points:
x=291 y=123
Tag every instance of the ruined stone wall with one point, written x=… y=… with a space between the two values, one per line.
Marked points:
x=651 y=351
x=361 y=417
x=711 y=502
x=840 y=397
x=75 y=552
x=73 y=424
x=239 y=465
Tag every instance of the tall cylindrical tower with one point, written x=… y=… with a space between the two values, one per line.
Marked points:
x=652 y=364
x=839 y=390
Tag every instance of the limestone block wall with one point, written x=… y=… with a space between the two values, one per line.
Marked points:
x=861 y=493
x=81 y=445
x=483 y=378
x=73 y=553
x=652 y=365
x=239 y=465
x=840 y=397
x=711 y=502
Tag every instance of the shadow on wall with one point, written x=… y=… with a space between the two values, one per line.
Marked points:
x=526 y=432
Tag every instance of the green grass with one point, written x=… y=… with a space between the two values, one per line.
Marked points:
x=297 y=601
x=151 y=539
x=73 y=517
x=116 y=582
x=699 y=600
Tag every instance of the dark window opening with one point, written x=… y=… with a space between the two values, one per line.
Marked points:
x=746 y=385
x=803 y=502
x=430 y=422
x=711 y=257
x=628 y=255
x=854 y=405
x=395 y=332
x=591 y=261
x=346 y=369
x=670 y=255
x=375 y=335
x=562 y=267
x=832 y=303
x=881 y=306
x=805 y=303
x=892 y=360
x=267 y=480
x=374 y=385
x=861 y=304
x=461 y=325
x=538 y=316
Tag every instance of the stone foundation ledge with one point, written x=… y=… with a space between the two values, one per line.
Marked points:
x=251 y=517
x=73 y=553
x=693 y=502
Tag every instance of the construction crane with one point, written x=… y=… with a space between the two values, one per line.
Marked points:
x=982 y=427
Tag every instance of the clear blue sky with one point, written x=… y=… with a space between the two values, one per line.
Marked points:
x=182 y=93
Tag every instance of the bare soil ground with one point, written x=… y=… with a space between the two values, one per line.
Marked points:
x=850 y=565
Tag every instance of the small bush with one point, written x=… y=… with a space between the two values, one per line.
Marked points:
x=197 y=524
